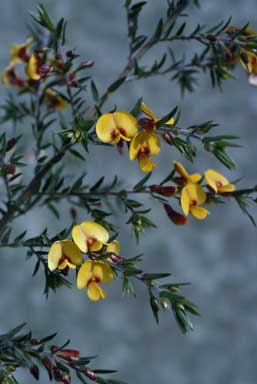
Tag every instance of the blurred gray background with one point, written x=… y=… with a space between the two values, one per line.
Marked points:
x=218 y=256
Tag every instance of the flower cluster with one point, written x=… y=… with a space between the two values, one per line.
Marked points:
x=247 y=57
x=92 y=239
x=142 y=135
x=194 y=195
x=37 y=68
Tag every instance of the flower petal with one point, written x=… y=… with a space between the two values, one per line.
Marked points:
x=153 y=144
x=71 y=252
x=194 y=178
x=199 y=193
x=106 y=129
x=126 y=123
x=215 y=179
x=113 y=247
x=54 y=255
x=95 y=292
x=135 y=146
x=96 y=231
x=185 y=200
x=85 y=274
x=227 y=188
x=147 y=111
x=146 y=164
x=103 y=272
x=199 y=212
x=79 y=238
x=32 y=68
x=180 y=169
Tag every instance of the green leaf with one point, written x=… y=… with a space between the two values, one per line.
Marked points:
x=94 y=91
x=139 y=186
x=116 y=84
x=166 y=118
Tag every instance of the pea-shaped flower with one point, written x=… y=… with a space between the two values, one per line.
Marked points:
x=192 y=196
x=10 y=78
x=144 y=145
x=218 y=182
x=89 y=236
x=153 y=119
x=19 y=52
x=186 y=178
x=91 y=274
x=114 y=126
x=62 y=254
x=54 y=100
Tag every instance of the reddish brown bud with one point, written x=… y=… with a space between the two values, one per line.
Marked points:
x=58 y=376
x=47 y=364
x=174 y=216
x=68 y=354
x=65 y=271
x=116 y=258
x=179 y=180
x=167 y=137
x=35 y=341
x=71 y=54
x=10 y=144
x=90 y=374
x=73 y=213
x=11 y=169
x=34 y=371
x=45 y=70
x=167 y=191
x=211 y=37
x=87 y=63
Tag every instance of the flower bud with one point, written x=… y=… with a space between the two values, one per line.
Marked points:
x=167 y=191
x=68 y=354
x=87 y=63
x=34 y=371
x=165 y=303
x=167 y=137
x=10 y=169
x=90 y=374
x=73 y=213
x=211 y=37
x=174 y=216
x=58 y=376
x=10 y=144
x=116 y=258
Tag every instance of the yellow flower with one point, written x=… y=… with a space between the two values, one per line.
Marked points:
x=9 y=76
x=62 y=254
x=147 y=111
x=113 y=247
x=54 y=100
x=32 y=69
x=112 y=127
x=89 y=236
x=192 y=196
x=142 y=146
x=194 y=178
x=19 y=52
x=232 y=29
x=218 y=182
x=90 y=274
x=251 y=65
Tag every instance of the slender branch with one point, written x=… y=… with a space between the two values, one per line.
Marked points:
x=36 y=181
